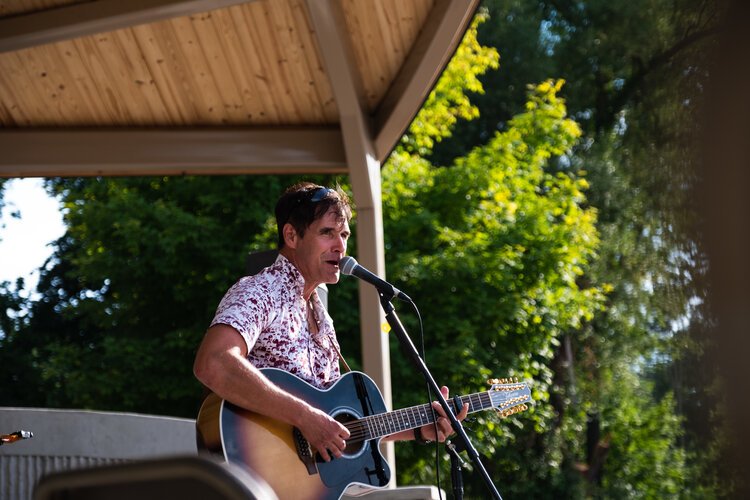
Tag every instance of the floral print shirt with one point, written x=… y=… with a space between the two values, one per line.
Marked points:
x=270 y=313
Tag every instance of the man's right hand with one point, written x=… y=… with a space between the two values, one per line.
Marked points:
x=325 y=435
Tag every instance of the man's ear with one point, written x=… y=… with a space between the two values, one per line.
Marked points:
x=290 y=236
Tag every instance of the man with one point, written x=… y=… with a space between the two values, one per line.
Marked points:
x=275 y=319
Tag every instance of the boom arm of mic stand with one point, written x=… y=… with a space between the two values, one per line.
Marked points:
x=408 y=345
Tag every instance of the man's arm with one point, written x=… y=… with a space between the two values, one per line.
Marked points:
x=221 y=365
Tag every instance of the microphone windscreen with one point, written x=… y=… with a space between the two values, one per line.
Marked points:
x=347 y=265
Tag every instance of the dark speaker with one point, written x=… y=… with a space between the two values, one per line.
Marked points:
x=255 y=262
x=186 y=478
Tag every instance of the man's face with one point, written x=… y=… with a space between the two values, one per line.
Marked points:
x=318 y=253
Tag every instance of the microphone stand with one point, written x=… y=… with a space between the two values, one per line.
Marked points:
x=408 y=345
x=456 y=464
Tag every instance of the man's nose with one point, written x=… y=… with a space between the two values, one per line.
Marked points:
x=340 y=244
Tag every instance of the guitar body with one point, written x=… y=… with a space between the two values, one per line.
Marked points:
x=277 y=452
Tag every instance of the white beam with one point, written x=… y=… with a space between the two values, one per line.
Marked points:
x=436 y=44
x=45 y=153
x=72 y=21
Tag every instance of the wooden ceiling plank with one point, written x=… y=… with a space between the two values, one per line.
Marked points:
x=87 y=106
x=5 y=114
x=258 y=91
x=161 y=67
x=228 y=68
x=96 y=54
x=410 y=16
x=385 y=26
x=267 y=71
x=89 y=18
x=9 y=93
x=149 y=109
x=181 y=84
x=224 y=31
x=75 y=100
x=31 y=98
x=138 y=83
x=284 y=45
x=296 y=68
x=35 y=153
x=56 y=96
x=436 y=44
x=278 y=43
x=126 y=102
x=318 y=82
x=198 y=81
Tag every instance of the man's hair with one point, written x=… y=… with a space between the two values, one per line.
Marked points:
x=304 y=203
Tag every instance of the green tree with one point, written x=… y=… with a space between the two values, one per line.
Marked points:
x=636 y=74
x=517 y=239
x=130 y=289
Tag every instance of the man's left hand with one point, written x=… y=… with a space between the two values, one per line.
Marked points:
x=444 y=429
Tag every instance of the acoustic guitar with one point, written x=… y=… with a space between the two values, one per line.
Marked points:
x=279 y=454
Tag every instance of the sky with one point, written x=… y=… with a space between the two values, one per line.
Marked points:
x=24 y=242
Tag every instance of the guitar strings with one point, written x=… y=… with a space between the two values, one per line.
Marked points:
x=359 y=430
x=378 y=425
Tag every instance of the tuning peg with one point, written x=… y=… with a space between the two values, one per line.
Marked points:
x=493 y=381
x=511 y=411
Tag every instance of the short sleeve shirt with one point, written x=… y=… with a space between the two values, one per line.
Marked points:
x=270 y=312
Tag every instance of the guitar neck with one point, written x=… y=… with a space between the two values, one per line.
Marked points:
x=384 y=424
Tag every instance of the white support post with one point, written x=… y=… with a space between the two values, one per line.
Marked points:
x=364 y=171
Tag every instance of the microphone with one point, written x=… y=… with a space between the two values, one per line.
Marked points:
x=351 y=267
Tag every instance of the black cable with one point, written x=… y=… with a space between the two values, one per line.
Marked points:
x=429 y=400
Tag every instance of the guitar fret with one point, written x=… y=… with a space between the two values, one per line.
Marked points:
x=485 y=401
x=370 y=431
x=426 y=417
x=404 y=419
x=479 y=404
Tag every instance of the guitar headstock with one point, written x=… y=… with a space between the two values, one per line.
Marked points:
x=509 y=396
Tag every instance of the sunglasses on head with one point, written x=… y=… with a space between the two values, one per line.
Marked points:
x=319 y=194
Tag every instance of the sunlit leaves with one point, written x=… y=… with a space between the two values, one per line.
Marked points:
x=449 y=101
x=494 y=262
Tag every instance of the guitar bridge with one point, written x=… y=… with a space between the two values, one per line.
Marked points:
x=304 y=452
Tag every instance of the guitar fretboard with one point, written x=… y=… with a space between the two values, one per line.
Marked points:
x=384 y=424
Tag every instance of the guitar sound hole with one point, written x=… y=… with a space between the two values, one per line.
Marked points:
x=353 y=445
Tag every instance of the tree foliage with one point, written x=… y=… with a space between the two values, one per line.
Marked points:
x=494 y=247
x=130 y=289
x=635 y=76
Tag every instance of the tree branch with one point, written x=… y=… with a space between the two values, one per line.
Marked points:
x=618 y=101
